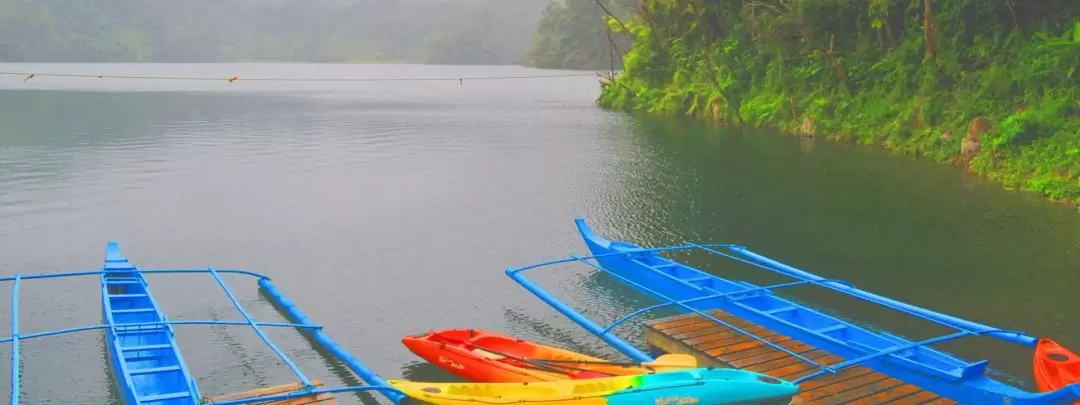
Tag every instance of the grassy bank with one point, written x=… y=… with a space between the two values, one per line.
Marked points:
x=990 y=85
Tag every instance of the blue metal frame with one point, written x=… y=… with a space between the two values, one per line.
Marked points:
x=672 y=301
x=975 y=328
x=269 y=343
x=694 y=291
x=115 y=264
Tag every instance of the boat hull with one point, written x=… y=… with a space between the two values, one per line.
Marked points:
x=483 y=356
x=145 y=360
x=127 y=393
x=699 y=386
x=694 y=290
x=1055 y=366
x=142 y=355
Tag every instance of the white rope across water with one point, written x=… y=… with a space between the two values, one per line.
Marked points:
x=27 y=76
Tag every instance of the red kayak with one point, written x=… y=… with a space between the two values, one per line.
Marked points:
x=1055 y=366
x=482 y=356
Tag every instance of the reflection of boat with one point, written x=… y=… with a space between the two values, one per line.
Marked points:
x=792 y=340
x=485 y=356
x=1055 y=366
x=697 y=386
x=144 y=359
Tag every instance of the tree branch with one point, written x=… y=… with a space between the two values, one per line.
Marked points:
x=606 y=11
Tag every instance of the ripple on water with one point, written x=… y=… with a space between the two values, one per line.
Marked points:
x=369 y=204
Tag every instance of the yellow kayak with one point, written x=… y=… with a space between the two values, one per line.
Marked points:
x=696 y=386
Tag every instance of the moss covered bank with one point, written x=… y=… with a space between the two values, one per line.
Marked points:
x=991 y=85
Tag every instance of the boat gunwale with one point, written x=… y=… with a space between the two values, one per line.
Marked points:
x=693 y=246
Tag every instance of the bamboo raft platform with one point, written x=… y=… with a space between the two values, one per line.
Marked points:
x=717 y=345
x=320 y=399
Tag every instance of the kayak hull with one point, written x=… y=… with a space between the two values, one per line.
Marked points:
x=469 y=364
x=484 y=356
x=698 y=386
x=1055 y=366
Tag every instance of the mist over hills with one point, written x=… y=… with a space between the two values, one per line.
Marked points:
x=418 y=31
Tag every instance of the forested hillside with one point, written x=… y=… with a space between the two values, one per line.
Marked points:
x=421 y=31
x=992 y=85
x=572 y=34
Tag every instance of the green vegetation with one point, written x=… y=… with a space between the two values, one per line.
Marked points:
x=993 y=85
x=423 y=31
x=571 y=35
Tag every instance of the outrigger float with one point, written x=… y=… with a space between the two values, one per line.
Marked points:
x=737 y=324
x=145 y=361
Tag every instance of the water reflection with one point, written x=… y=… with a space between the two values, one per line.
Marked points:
x=392 y=209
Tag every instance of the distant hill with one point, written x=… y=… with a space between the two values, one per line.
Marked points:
x=418 y=31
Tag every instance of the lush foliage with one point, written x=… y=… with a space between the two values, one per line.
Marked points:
x=993 y=85
x=571 y=34
x=436 y=31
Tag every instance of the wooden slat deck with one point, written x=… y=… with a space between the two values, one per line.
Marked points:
x=717 y=345
x=321 y=399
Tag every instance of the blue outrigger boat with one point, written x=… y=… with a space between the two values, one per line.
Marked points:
x=146 y=362
x=692 y=291
x=148 y=367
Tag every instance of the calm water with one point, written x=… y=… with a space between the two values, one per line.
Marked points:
x=388 y=208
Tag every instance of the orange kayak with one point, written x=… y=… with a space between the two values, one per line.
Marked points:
x=1055 y=366
x=482 y=356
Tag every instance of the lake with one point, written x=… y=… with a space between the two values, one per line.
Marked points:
x=387 y=208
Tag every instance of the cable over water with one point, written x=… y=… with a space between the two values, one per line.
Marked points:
x=27 y=76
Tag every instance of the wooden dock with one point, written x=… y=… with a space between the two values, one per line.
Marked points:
x=321 y=399
x=717 y=345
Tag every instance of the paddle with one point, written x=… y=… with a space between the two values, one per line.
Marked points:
x=535 y=363
x=666 y=361
x=676 y=360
